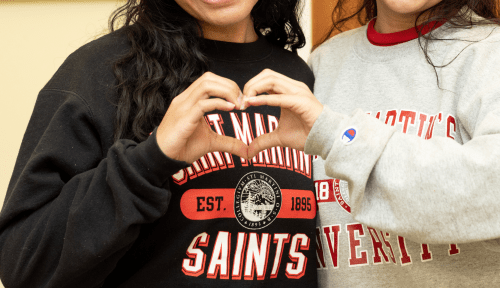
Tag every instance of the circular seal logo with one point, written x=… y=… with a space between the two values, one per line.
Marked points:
x=257 y=200
x=348 y=136
x=341 y=192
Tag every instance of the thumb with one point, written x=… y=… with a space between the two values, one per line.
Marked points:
x=263 y=142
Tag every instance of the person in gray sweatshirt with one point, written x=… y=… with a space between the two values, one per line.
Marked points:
x=408 y=183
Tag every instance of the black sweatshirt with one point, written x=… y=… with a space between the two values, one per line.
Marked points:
x=84 y=211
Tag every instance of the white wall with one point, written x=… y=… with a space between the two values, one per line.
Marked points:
x=36 y=37
x=306 y=24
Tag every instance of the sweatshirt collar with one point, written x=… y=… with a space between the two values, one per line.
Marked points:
x=390 y=39
x=237 y=52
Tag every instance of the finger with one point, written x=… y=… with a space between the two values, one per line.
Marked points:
x=264 y=74
x=263 y=142
x=208 y=88
x=271 y=82
x=279 y=100
x=307 y=109
x=271 y=85
x=203 y=106
x=210 y=84
x=228 y=144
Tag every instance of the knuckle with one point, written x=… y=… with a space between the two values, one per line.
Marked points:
x=208 y=74
x=199 y=106
x=206 y=85
x=175 y=101
x=236 y=90
x=246 y=87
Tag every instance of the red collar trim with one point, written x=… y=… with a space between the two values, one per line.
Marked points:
x=390 y=39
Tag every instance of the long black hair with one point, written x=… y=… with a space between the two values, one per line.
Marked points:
x=457 y=13
x=165 y=56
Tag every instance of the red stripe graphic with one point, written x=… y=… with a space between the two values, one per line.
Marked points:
x=205 y=204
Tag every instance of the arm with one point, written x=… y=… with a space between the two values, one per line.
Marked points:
x=72 y=210
x=432 y=191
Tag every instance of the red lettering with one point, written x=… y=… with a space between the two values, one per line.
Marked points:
x=405 y=116
x=453 y=249
x=426 y=253
x=320 y=254
x=451 y=127
x=391 y=114
x=430 y=129
x=405 y=257
x=388 y=245
x=332 y=238
x=377 y=247
x=421 y=119
x=354 y=243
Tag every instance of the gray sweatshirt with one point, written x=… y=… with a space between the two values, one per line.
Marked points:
x=412 y=163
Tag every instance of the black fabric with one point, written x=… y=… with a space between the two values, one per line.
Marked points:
x=84 y=211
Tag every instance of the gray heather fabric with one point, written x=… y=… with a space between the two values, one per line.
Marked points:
x=428 y=169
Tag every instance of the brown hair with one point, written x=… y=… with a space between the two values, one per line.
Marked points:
x=457 y=13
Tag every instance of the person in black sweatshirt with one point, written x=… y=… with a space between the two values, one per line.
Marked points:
x=133 y=171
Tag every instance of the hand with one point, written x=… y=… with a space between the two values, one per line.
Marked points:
x=299 y=110
x=184 y=134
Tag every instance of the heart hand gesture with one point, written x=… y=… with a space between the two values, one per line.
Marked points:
x=299 y=110
x=183 y=133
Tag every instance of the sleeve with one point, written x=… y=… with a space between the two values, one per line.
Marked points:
x=73 y=210
x=430 y=191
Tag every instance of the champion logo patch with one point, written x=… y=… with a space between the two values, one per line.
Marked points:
x=349 y=136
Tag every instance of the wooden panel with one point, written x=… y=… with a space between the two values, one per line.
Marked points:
x=322 y=18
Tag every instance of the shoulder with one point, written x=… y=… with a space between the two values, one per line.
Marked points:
x=468 y=46
x=90 y=66
x=335 y=47
x=291 y=65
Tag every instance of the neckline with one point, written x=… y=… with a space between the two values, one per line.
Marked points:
x=391 y=39
x=237 y=52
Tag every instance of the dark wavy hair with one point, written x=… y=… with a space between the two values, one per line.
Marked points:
x=451 y=11
x=165 y=55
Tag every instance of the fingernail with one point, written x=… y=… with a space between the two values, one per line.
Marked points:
x=230 y=105
x=244 y=105
x=241 y=100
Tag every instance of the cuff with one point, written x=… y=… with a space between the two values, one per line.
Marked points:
x=322 y=135
x=155 y=165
